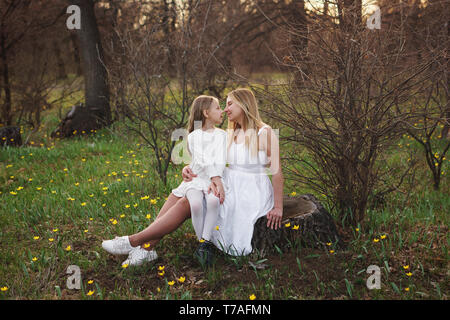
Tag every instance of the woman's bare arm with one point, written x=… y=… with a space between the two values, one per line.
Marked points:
x=272 y=148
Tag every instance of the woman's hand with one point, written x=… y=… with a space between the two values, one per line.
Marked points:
x=274 y=218
x=187 y=174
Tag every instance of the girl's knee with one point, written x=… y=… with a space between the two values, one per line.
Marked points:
x=212 y=201
x=183 y=201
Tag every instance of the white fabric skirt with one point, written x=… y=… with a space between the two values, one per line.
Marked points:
x=197 y=183
x=248 y=196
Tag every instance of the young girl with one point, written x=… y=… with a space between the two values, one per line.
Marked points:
x=207 y=146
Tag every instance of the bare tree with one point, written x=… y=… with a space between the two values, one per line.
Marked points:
x=343 y=113
x=429 y=108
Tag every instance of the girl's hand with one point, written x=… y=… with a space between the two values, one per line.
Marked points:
x=212 y=188
x=274 y=218
x=217 y=187
x=187 y=174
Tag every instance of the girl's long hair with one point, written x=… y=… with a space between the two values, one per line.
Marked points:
x=199 y=104
x=247 y=101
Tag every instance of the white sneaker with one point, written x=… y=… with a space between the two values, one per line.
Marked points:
x=118 y=246
x=138 y=256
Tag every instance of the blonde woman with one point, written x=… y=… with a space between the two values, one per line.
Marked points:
x=252 y=155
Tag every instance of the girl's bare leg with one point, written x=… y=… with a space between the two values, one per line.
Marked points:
x=170 y=202
x=176 y=211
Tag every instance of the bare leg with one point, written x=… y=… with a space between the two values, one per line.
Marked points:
x=170 y=219
x=170 y=202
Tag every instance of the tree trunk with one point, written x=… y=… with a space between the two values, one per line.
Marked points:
x=305 y=222
x=76 y=54
x=94 y=69
x=6 y=112
x=299 y=38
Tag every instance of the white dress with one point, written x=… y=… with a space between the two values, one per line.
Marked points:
x=248 y=196
x=208 y=152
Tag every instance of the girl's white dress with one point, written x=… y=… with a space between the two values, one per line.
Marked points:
x=248 y=196
x=208 y=152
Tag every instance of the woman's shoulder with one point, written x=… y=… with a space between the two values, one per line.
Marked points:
x=265 y=128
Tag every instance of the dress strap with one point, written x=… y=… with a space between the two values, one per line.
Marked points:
x=262 y=128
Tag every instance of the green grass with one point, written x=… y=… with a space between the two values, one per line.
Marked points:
x=74 y=191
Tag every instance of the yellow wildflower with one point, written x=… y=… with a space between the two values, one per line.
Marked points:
x=68 y=248
x=171 y=283
x=90 y=293
x=181 y=279
x=252 y=297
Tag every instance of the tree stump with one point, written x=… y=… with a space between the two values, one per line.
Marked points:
x=78 y=121
x=10 y=136
x=305 y=222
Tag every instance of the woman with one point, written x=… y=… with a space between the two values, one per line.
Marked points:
x=252 y=146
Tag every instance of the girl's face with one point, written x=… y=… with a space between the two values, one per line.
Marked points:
x=234 y=111
x=215 y=113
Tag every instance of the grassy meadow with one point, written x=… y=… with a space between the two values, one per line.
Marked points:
x=60 y=198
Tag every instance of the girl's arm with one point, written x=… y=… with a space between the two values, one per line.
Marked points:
x=187 y=172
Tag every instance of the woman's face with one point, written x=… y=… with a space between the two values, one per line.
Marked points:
x=234 y=111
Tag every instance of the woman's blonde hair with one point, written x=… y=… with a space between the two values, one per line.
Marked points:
x=247 y=101
x=196 y=112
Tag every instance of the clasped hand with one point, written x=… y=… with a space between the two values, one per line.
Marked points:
x=216 y=185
